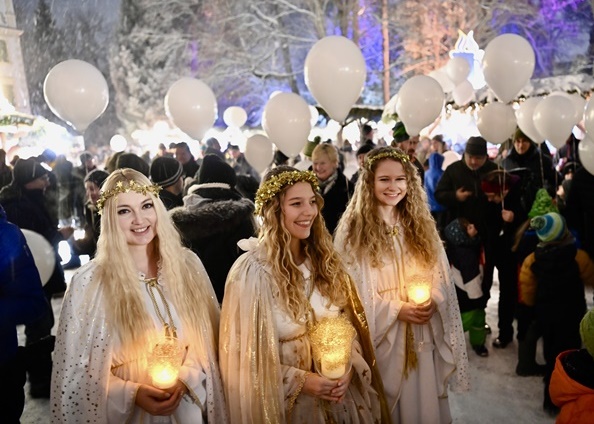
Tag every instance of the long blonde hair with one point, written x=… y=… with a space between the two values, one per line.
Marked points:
x=328 y=273
x=364 y=230
x=119 y=278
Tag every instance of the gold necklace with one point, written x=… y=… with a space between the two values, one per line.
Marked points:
x=153 y=284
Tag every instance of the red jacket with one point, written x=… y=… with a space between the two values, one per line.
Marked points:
x=575 y=400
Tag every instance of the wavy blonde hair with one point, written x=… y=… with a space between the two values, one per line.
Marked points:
x=328 y=273
x=118 y=276
x=363 y=228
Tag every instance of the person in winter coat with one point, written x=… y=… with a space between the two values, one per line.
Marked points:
x=465 y=255
x=214 y=218
x=21 y=302
x=540 y=172
x=432 y=177
x=336 y=189
x=24 y=203
x=572 y=382
x=552 y=279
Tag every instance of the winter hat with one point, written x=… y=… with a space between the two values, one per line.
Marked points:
x=27 y=170
x=587 y=331
x=399 y=133
x=135 y=162
x=216 y=170
x=310 y=146
x=364 y=149
x=166 y=171
x=497 y=181
x=549 y=227
x=476 y=146
x=543 y=203
x=97 y=176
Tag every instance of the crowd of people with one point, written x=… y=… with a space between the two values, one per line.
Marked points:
x=233 y=274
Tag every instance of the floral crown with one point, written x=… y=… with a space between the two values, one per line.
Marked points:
x=392 y=154
x=276 y=183
x=130 y=185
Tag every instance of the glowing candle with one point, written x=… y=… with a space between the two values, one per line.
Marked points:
x=164 y=363
x=164 y=376
x=419 y=294
x=333 y=365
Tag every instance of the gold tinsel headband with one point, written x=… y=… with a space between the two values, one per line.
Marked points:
x=392 y=154
x=276 y=183
x=130 y=186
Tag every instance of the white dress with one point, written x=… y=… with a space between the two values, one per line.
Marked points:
x=440 y=347
x=256 y=335
x=92 y=382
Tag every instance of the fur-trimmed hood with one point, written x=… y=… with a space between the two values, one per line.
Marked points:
x=204 y=218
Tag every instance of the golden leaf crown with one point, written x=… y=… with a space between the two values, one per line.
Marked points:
x=125 y=187
x=276 y=183
x=392 y=154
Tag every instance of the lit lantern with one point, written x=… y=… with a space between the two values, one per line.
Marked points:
x=331 y=340
x=164 y=363
x=418 y=288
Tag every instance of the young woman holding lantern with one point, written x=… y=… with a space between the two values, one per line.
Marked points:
x=391 y=247
x=282 y=298
x=138 y=328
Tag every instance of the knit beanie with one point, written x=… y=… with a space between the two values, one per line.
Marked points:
x=587 y=331
x=310 y=146
x=476 y=146
x=166 y=171
x=549 y=227
x=97 y=176
x=543 y=203
x=399 y=133
x=215 y=170
x=27 y=170
x=364 y=149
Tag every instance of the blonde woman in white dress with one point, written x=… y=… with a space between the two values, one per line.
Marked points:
x=142 y=285
x=290 y=278
x=388 y=240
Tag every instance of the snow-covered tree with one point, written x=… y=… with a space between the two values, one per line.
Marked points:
x=153 y=49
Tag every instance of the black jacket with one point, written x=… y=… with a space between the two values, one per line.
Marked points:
x=336 y=200
x=212 y=228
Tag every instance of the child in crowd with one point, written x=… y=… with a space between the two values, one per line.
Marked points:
x=465 y=255
x=552 y=279
x=572 y=383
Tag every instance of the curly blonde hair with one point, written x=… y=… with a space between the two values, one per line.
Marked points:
x=328 y=273
x=119 y=276
x=363 y=228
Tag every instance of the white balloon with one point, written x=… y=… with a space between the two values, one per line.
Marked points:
x=553 y=119
x=420 y=101
x=578 y=106
x=43 y=254
x=463 y=93
x=118 y=143
x=287 y=121
x=259 y=152
x=234 y=116
x=458 y=69
x=525 y=117
x=508 y=65
x=192 y=106
x=441 y=76
x=449 y=157
x=586 y=153
x=496 y=122
x=589 y=117
x=335 y=73
x=76 y=92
